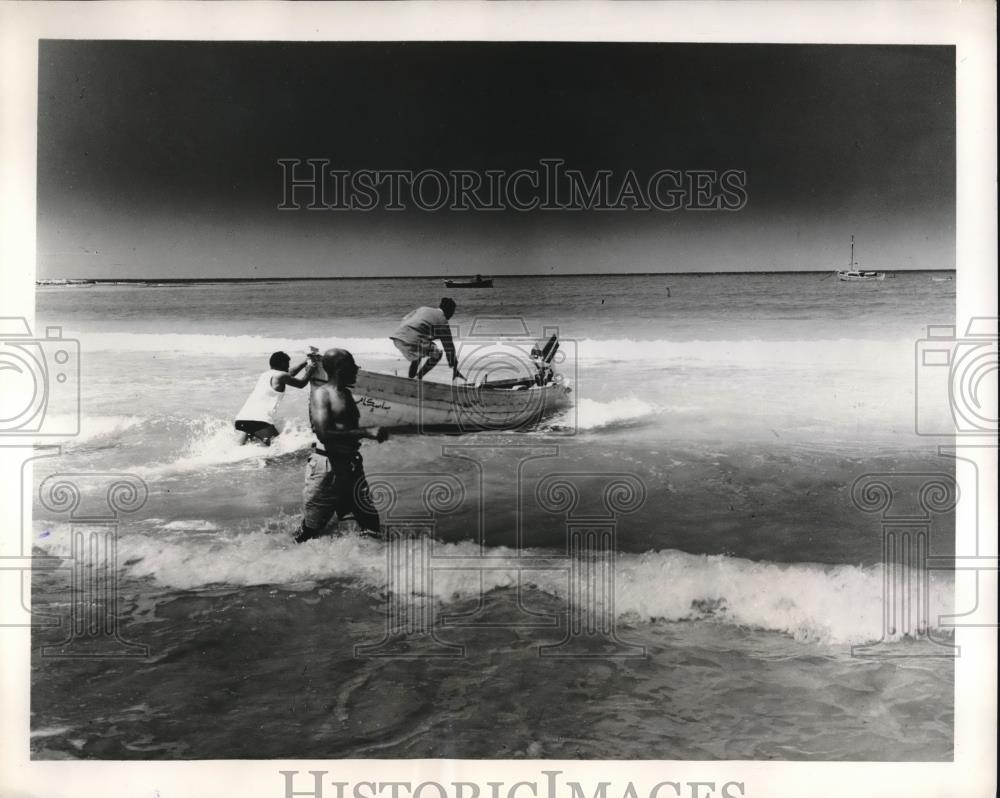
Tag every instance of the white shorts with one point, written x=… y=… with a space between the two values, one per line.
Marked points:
x=414 y=352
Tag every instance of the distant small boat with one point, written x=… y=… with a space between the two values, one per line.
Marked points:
x=941 y=279
x=479 y=282
x=853 y=274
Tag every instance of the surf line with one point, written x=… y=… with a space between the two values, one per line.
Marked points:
x=551 y=788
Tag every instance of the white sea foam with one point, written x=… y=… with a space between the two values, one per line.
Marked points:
x=825 y=353
x=198 y=343
x=591 y=414
x=91 y=427
x=838 y=604
x=194 y=525
x=55 y=731
x=214 y=442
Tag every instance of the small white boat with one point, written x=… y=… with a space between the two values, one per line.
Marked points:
x=478 y=282
x=854 y=274
x=401 y=403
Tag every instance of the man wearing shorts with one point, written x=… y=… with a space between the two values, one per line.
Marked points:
x=258 y=415
x=335 y=475
x=416 y=334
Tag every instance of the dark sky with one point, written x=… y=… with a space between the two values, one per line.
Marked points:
x=160 y=158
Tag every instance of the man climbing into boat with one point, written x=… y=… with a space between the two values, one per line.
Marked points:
x=416 y=334
x=256 y=419
x=335 y=476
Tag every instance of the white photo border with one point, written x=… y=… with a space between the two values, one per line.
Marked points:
x=969 y=26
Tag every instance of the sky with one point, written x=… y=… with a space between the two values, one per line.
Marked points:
x=161 y=159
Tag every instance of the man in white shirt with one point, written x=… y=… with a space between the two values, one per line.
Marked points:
x=416 y=334
x=258 y=416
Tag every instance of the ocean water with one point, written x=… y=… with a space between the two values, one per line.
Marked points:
x=740 y=409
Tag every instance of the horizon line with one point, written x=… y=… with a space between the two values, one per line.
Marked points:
x=49 y=280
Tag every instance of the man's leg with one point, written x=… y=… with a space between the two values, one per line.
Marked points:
x=319 y=501
x=433 y=357
x=411 y=352
x=355 y=497
x=266 y=434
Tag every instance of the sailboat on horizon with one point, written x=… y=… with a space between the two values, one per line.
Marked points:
x=853 y=272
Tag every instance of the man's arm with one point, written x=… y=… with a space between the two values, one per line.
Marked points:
x=326 y=409
x=288 y=378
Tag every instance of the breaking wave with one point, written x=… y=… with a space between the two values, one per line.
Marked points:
x=213 y=442
x=812 y=602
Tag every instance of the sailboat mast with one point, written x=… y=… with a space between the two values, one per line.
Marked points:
x=850 y=263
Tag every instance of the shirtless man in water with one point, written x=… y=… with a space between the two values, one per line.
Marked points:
x=335 y=476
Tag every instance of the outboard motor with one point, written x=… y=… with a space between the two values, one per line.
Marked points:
x=543 y=360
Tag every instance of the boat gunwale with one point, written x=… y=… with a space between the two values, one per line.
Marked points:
x=417 y=390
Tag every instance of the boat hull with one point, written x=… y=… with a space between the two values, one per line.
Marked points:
x=847 y=277
x=480 y=284
x=400 y=403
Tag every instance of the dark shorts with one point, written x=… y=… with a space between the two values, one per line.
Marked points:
x=255 y=427
x=337 y=487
